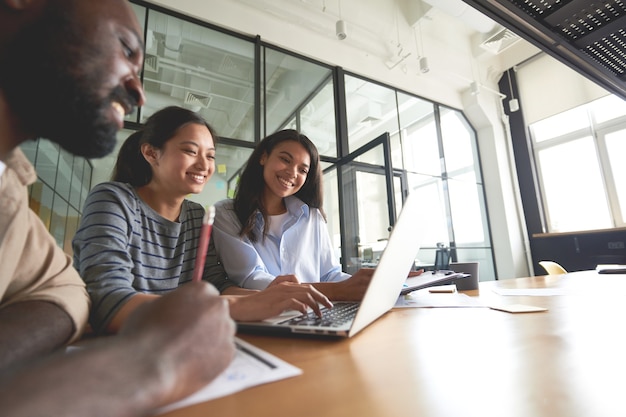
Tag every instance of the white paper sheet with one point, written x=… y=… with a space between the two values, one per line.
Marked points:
x=425 y=299
x=251 y=366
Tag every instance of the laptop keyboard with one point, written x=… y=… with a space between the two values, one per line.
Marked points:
x=336 y=316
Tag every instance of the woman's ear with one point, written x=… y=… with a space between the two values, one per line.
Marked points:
x=263 y=159
x=150 y=153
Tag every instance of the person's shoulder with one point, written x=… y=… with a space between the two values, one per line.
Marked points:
x=113 y=186
x=192 y=205
x=298 y=207
x=226 y=204
x=225 y=216
x=112 y=193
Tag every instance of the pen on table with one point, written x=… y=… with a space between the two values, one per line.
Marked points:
x=203 y=244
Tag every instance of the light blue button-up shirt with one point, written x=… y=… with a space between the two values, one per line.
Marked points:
x=304 y=249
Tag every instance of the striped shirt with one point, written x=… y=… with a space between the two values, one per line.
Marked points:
x=123 y=247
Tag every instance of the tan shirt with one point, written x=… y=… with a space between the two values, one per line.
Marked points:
x=32 y=265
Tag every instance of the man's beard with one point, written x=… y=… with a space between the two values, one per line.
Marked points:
x=43 y=78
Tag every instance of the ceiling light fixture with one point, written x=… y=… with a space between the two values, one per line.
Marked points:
x=474 y=88
x=421 y=60
x=341 y=27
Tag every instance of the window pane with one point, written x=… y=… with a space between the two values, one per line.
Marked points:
x=430 y=190
x=608 y=108
x=616 y=147
x=566 y=122
x=459 y=147
x=47 y=160
x=371 y=110
x=375 y=156
x=373 y=210
x=86 y=184
x=58 y=220
x=419 y=136
x=77 y=179
x=140 y=13
x=64 y=174
x=41 y=197
x=468 y=214
x=295 y=87
x=331 y=208
x=572 y=187
x=318 y=121
x=421 y=149
x=201 y=69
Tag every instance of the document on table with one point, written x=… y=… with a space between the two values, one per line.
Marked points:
x=251 y=366
x=425 y=299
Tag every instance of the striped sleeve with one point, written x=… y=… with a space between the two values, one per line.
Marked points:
x=101 y=251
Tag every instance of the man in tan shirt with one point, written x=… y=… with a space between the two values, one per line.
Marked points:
x=69 y=72
x=41 y=294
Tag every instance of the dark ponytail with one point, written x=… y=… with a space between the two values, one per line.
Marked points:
x=131 y=167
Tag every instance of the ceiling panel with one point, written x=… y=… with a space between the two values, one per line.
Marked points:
x=587 y=35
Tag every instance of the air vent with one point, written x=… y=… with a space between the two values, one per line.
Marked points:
x=151 y=63
x=499 y=41
x=195 y=99
x=537 y=8
x=587 y=35
x=610 y=52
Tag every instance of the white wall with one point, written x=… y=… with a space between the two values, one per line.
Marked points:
x=567 y=88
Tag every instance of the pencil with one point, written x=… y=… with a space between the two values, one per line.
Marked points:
x=203 y=244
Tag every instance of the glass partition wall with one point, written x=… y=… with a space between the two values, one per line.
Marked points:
x=377 y=143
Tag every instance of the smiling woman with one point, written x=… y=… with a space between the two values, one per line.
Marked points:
x=139 y=235
x=275 y=228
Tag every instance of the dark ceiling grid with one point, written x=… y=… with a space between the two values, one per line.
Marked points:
x=587 y=35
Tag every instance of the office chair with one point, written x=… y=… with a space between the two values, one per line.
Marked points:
x=552 y=268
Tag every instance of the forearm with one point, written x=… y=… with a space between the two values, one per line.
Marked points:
x=332 y=290
x=234 y=290
x=118 y=377
x=131 y=305
x=237 y=307
x=31 y=329
x=338 y=291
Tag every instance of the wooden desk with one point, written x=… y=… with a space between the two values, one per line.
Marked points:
x=458 y=362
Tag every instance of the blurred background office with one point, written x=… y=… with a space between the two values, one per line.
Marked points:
x=513 y=149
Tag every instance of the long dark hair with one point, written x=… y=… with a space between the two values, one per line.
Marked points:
x=249 y=192
x=131 y=167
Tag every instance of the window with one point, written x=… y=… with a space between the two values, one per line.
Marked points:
x=205 y=70
x=581 y=177
x=299 y=94
x=429 y=149
x=63 y=182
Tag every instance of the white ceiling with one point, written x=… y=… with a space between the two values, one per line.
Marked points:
x=460 y=44
x=385 y=39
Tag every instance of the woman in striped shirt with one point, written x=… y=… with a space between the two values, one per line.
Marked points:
x=138 y=235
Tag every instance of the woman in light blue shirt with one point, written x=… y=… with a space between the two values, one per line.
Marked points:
x=275 y=227
x=139 y=235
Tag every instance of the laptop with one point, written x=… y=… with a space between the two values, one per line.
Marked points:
x=387 y=282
